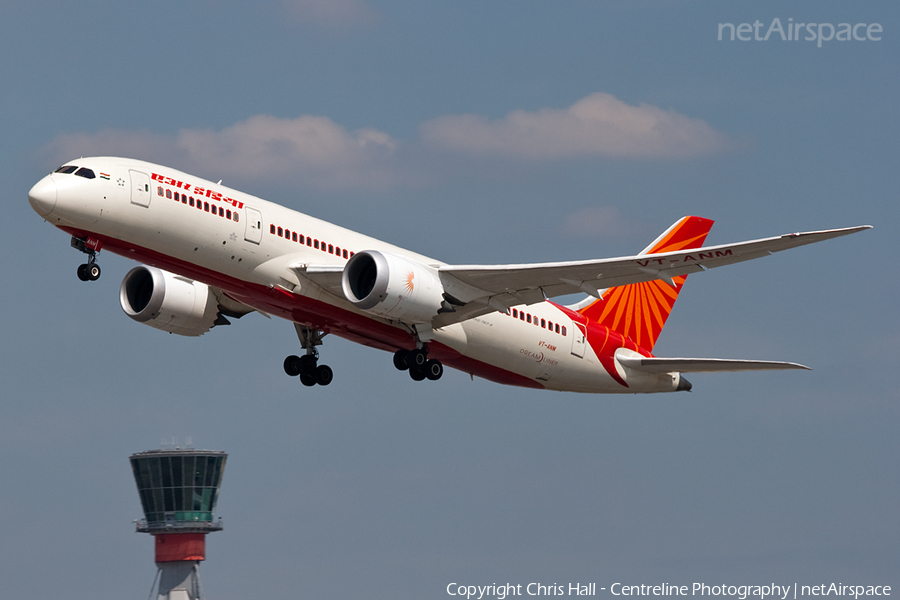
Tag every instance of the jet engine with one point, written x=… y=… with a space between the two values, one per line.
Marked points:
x=392 y=286
x=165 y=301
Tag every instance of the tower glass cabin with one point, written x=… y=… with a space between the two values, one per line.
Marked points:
x=178 y=490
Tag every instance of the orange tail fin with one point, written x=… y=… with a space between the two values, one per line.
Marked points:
x=639 y=310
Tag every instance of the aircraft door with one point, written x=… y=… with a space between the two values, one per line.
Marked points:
x=253 y=232
x=578 y=340
x=140 y=188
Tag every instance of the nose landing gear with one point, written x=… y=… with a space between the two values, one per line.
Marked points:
x=90 y=271
x=311 y=373
x=418 y=364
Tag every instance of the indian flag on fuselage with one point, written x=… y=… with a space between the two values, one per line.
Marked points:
x=639 y=310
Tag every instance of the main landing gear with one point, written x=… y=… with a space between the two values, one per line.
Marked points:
x=90 y=271
x=418 y=364
x=306 y=366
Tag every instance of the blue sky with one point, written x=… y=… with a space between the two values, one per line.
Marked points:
x=474 y=132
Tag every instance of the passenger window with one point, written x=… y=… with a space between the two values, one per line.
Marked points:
x=337 y=250
x=159 y=191
x=330 y=249
x=191 y=201
x=236 y=218
x=564 y=330
x=316 y=244
x=302 y=239
x=515 y=313
x=543 y=323
x=528 y=318
x=206 y=206
x=86 y=173
x=294 y=236
x=309 y=241
x=184 y=198
x=345 y=253
x=271 y=229
x=287 y=233
x=177 y=197
x=221 y=212
x=228 y=214
x=169 y=194
x=280 y=232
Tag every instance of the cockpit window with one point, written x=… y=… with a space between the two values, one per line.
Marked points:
x=85 y=172
x=66 y=169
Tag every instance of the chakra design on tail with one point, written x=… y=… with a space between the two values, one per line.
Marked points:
x=638 y=311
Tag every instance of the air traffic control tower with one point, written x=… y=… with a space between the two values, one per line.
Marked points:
x=178 y=490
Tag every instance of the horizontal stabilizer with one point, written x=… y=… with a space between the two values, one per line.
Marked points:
x=702 y=365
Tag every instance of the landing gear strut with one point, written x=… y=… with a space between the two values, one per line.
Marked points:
x=306 y=366
x=90 y=271
x=418 y=364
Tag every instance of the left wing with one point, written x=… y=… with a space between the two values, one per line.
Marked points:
x=479 y=289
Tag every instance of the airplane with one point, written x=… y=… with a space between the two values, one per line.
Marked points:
x=210 y=253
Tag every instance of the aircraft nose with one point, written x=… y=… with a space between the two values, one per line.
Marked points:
x=42 y=196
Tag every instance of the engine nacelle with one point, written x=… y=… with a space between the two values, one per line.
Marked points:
x=392 y=286
x=165 y=301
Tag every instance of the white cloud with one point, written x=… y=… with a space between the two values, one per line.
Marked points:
x=315 y=146
x=313 y=149
x=597 y=125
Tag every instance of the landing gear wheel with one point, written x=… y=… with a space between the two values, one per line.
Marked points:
x=292 y=365
x=324 y=375
x=416 y=374
x=92 y=271
x=401 y=360
x=307 y=364
x=82 y=273
x=417 y=358
x=307 y=379
x=434 y=369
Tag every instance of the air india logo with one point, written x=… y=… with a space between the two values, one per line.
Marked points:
x=409 y=281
